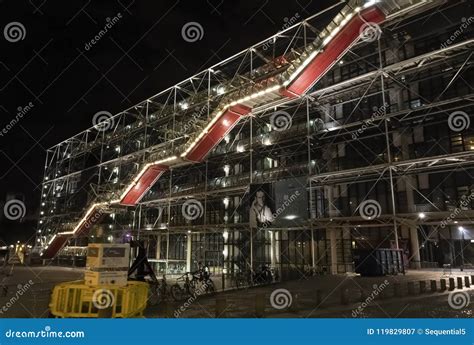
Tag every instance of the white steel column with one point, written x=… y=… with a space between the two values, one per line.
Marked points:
x=415 y=248
x=409 y=186
x=272 y=248
x=331 y=234
x=188 y=252
x=158 y=246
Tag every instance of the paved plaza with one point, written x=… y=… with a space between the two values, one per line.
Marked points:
x=347 y=295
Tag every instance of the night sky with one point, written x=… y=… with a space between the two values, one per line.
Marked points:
x=143 y=53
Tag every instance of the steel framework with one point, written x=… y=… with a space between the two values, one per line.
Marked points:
x=209 y=137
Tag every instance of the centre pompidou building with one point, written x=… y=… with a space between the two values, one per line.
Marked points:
x=348 y=130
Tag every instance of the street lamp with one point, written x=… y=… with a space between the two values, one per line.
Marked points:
x=460 y=228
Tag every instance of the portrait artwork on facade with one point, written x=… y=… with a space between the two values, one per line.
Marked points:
x=262 y=203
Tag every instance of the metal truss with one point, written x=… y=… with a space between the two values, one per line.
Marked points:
x=101 y=163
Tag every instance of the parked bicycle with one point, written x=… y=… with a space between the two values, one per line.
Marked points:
x=192 y=284
x=159 y=290
x=206 y=281
x=241 y=279
x=183 y=287
x=262 y=276
x=275 y=274
x=202 y=280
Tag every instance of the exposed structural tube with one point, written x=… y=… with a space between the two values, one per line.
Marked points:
x=300 y=75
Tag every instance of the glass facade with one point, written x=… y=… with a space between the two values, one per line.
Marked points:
x=376 y=127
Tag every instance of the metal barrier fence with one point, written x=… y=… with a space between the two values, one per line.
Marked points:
x=75 y=299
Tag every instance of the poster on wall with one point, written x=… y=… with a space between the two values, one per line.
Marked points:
x=291 y=202
x=261 y=205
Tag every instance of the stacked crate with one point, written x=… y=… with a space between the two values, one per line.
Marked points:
x=107 y=264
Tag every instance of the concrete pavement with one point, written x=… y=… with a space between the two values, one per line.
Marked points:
x=347 y=295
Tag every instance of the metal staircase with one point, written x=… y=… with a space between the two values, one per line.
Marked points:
x=221 y=101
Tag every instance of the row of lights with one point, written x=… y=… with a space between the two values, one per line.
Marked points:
x=219 y=90
x=94 y=206
x=422 y=215
x=218 y=114
x=278 y=86
x=140 y=174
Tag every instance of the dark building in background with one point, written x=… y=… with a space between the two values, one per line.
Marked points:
x=18 y=220
x=379 y=155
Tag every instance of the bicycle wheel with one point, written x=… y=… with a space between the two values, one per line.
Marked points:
x=210 y=288
x=268 y=277
x=154 y=295
x=191 y=287
x=240 y=282
x=257 y=280
x=177 y=292
x=237 y=283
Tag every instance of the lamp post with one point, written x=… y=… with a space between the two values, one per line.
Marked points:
x=462 y=245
